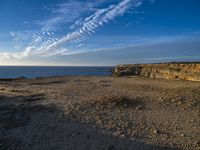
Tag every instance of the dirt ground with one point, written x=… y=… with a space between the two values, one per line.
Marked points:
x=99 y=113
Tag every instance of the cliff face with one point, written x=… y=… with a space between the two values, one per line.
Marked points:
x=174 y=71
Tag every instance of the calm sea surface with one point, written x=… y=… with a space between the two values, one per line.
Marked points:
x=32 y=72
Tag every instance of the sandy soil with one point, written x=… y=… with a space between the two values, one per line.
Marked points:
x=99 y=113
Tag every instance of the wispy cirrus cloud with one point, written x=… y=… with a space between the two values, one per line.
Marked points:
x=91 y=23
x=45 y=43
x=66 y=12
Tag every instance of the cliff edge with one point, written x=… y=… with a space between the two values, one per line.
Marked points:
x=173 y=71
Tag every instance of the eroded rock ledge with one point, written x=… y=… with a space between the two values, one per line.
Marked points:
x=173 y=71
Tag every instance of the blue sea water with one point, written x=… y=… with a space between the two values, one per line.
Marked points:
x=38 y=71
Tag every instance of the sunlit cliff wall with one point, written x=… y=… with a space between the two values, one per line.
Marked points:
x=173 y=71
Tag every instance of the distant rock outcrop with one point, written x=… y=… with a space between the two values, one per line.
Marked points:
x=174 y=71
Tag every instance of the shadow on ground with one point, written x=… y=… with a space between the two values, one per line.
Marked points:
x=46 y=127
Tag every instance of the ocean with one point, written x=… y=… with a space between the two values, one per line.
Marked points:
x=38 y=71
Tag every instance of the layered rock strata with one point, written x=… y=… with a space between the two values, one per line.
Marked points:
x=173 y=71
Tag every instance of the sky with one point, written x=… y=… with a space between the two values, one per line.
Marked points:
x=98 y=32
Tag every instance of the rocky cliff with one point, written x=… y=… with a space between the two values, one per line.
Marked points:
x=174 y=71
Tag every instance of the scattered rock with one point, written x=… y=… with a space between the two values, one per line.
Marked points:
x=197 y=143
x=87 y=136
x=110 y=147
x=139 y=107
x=183 y=135
x=156 y=131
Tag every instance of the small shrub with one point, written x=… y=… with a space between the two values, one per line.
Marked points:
x=118 y=100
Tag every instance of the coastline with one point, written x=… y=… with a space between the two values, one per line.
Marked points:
x=171 y=71
x=90 y=112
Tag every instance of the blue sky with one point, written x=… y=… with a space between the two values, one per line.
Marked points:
x=98 y=32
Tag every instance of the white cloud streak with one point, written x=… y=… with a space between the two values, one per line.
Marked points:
x=91 y=23
x=43 y=43
x=66 y=12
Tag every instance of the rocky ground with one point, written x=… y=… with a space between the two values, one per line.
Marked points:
x=99 y=113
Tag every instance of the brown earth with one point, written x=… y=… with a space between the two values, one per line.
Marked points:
x=99 y=113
